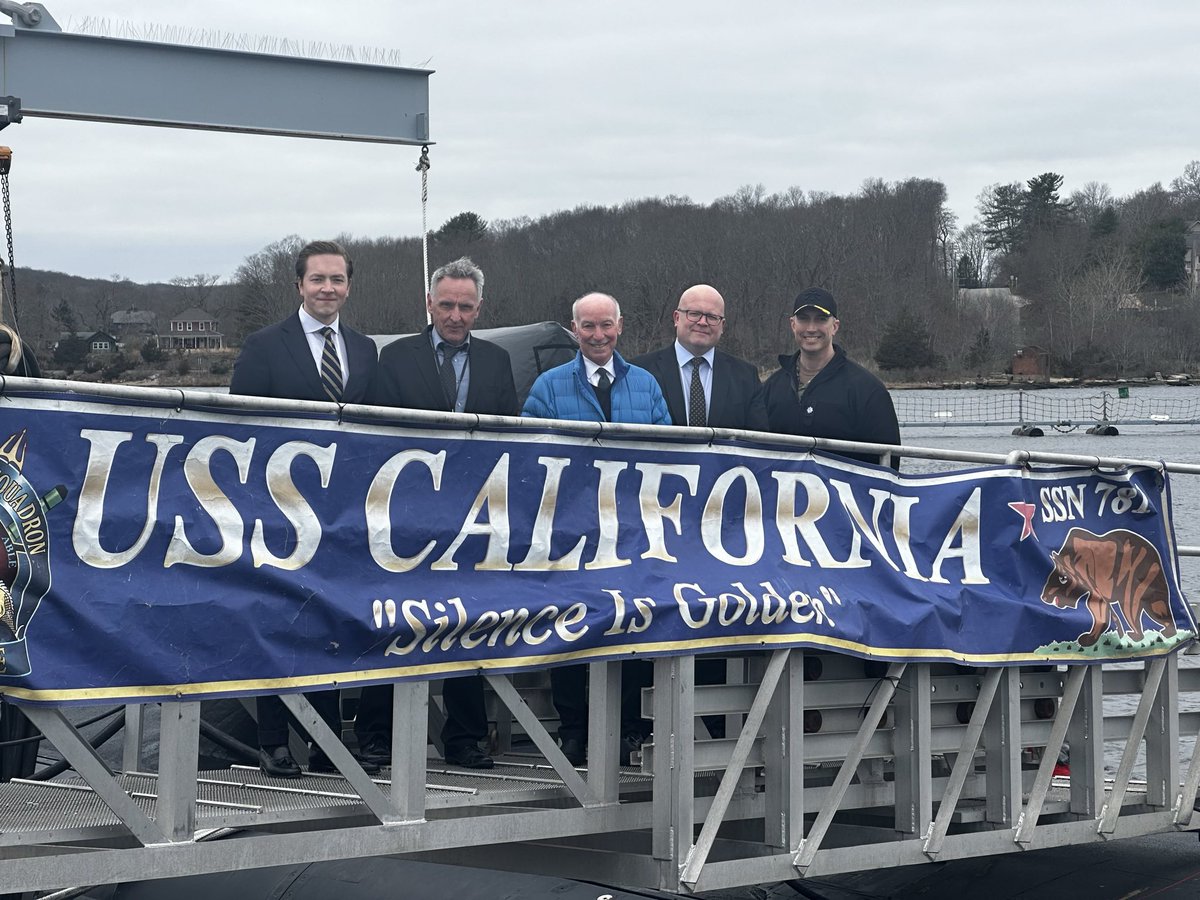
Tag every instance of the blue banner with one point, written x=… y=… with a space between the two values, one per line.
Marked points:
x=150 y=551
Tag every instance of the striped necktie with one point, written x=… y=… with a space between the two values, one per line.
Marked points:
x=696 y=416
x=331 y=366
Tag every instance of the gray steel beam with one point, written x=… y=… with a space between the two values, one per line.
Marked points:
x=541 y=738
x=410 y=707
x=1027 y=821
x=1112 y=806
x=1002 y=758
x=91 y=768
x=1085 y=738
x=964 y=763
x=697 y=855
x=783 y=754
x=131 y=748
x=105 y=866
x=59 y=75
x=604 y=730
x=807 y=849
x=674 y=799
x=178 y=752
x=341 y=758
x=911 y=743
x=721 y=875
x=1162 y=738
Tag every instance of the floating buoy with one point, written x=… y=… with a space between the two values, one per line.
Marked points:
x=1104 y=430
x=1028 y=431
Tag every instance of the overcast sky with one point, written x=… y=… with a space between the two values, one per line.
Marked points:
x=542 y=106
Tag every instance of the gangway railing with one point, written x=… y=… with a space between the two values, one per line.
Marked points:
x=942 y=409
x=829 y=763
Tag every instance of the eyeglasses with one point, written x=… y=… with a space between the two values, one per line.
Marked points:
x=694 y=315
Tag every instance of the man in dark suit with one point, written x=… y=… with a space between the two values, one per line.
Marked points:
x=703 y=385
x=443 y=368
x=310 y=355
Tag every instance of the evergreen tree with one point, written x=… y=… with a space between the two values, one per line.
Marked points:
x=1042 y=210
x=466 y=227
x=906 y=344
x=1161 y=250
x=980 y=351
x=1106 y=223
x=968 y=275
x=1001 y=207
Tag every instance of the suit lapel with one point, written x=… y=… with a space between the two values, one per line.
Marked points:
x=669 y=377
x=476 y=375
x=721 y=401
x=426 y=368
x=356 y=365
x=301 y=353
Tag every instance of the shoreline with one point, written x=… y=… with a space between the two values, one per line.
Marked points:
x=988 y=382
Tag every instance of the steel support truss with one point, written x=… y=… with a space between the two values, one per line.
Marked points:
x=828 y=764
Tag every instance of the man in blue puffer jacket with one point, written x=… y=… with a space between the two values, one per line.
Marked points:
x=575 y=390
x=597 y=386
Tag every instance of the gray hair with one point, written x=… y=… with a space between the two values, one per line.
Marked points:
x=460 y=268
x=588 y=296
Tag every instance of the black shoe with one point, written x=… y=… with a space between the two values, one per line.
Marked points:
x=376 y=750
x=320 y=763
x=469 y=756
x=574 y=750
x=631 y=743
x=277 y=762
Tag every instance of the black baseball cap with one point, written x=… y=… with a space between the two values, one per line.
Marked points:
x=818 y=298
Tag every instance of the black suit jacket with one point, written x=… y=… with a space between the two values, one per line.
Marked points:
x=276 y=362
x=737 y=398
x=408 y=377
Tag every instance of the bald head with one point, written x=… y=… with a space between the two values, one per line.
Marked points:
x=699 y=319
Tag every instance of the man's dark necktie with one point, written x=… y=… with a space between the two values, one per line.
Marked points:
x=446 y=373
x=604 y=393
x=331 y=366
x=696 y=417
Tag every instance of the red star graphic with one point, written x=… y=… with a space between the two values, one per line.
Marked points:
x=1026 y=511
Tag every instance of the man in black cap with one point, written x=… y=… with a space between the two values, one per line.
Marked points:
x=820 y=392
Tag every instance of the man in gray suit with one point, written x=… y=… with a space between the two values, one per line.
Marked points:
x=705 y=386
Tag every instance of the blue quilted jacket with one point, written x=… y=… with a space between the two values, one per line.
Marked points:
x=564 y=393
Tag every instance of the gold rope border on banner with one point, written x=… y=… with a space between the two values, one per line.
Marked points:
x=203 y=690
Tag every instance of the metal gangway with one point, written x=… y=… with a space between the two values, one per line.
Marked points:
x=828 y=764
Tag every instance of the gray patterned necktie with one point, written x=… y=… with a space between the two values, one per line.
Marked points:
x=446 y=373
x=696 y=415
x=331 y=366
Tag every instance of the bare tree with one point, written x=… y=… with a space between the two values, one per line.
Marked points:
x=1090 y=201
x=108 y=299
x=197 y=288
x=266 y=285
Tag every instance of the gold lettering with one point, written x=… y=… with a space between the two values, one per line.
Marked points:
x=197 y=469
x=292 y=504
x=85 y=536
x=379 y=514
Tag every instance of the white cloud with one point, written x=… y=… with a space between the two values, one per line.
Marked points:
x=537 y=107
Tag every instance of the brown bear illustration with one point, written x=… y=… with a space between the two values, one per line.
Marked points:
x=1119 y=567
